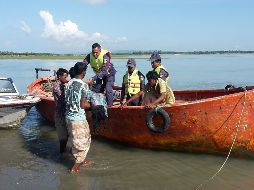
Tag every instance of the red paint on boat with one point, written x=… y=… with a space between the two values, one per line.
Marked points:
x=201 y=121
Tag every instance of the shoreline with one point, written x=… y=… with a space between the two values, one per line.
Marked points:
x=115 y=56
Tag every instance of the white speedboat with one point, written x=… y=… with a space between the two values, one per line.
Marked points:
x=13 y=105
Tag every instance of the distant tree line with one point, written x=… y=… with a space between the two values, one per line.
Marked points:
x=188 y=52
x=10 y=53
x=22 y=54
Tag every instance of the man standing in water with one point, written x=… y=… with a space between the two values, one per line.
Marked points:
x=58 y=92
x=100 y=61
x=78 y=128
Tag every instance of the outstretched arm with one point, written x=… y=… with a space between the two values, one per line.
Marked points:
x=140 y=93
x=86 y=61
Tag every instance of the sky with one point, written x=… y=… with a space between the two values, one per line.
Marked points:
x=72 y=26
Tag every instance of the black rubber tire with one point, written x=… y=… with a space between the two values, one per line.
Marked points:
x=162 y=113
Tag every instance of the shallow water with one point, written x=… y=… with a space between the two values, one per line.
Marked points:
x=29 y=156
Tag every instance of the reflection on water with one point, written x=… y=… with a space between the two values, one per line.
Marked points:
x=29 y=157
x=38 y=136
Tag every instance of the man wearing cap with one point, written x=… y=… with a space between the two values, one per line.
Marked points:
x=133 y=82
x=158 y=68
x=100 y=61
x=156 y=92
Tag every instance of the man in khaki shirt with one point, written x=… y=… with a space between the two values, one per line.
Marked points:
x=156 y=92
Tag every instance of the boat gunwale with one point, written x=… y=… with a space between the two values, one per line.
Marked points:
x=177 y=104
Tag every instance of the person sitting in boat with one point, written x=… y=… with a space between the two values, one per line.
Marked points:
x=100 y=61
x=155 y=60
x=133 y=82
x=58 y=91
x=156 y=92
x=78 y=128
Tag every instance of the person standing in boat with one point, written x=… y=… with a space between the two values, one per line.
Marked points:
x=133 y=82
x=78 y=128
x=156 y=92
x=58 y=91
x=155 y=60
x=101 y=63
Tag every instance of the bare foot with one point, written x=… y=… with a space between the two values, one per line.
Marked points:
x=75 y=167
x=87 y=162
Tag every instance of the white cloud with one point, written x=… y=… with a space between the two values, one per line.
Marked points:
x=99 y=37
x=64 y=31
x=94 y=2
x=121 y=39
x=67 y=33
x=25 y=27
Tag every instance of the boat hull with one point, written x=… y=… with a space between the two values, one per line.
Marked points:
x=13 y=110
x=206 y=122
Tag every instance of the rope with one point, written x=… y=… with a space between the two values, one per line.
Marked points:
x=237 y=127
x=227 y=117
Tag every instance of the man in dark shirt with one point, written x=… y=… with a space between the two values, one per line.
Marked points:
x=100 y=61
x=60 y=107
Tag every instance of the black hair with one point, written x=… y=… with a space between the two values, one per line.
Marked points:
x=158 y=60
x=61 y=71
x=79 y=68
x=72 y=72
x=96 y=45
x=152 y=75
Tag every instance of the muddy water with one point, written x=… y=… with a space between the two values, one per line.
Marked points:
x=30 y=160
x=29 y=156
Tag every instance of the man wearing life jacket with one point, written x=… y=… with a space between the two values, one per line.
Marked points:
x=155 y=60
x=100 y=61
x=155 y=93
x=133 y=82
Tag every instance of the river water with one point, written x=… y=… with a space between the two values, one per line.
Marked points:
x=29 y=156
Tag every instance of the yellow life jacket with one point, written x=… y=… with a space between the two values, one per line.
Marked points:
x=96 y=64
x=158 y=70
x=132 y=83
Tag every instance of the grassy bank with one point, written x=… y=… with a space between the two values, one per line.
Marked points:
x=136 y=55
x=65 y=57
x=52 y=57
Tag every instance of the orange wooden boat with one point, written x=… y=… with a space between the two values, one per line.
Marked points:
x=205 y=121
